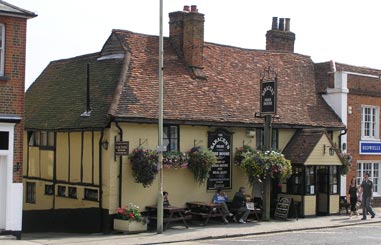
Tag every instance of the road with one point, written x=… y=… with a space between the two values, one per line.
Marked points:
x=369 y=234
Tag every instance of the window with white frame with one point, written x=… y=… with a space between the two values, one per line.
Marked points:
x=373 y=168
x=370 y=121
x=2 y=46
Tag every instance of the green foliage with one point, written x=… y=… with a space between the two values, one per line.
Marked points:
x=144 y=165
x=129 y=212
x=259 y=165
x=241 y=153
x=175 y=159
x=200 y=162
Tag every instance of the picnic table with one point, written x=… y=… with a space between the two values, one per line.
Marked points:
x=205 y=210
x=171 y=214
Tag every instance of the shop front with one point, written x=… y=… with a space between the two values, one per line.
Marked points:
x=315 y=184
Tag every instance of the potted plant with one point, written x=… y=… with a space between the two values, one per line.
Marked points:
x=200 y=162
x=129 y=219
x=175 y=160
x=144 y=165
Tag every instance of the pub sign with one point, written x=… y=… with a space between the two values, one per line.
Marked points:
x=268 y=96
x=219 y=142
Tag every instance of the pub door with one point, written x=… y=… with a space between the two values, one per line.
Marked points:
x=3 y=189
x=322 y=190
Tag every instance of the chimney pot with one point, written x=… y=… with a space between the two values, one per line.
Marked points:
x=186 y=8
x=287 y=24
x=281 y=24
x=194 y=8
x=275 y=24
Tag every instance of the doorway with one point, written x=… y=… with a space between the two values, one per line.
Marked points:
x=3 y=190
x=322 y=190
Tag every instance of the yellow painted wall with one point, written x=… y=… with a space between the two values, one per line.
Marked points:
x=75 y=156
x=334 y=203
x=284 y=137
x=42 y=201
x=317 y=156
x=62 y=155
x=45 y=158
x=309 y=205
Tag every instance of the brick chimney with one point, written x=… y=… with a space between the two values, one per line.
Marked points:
x=279 y=38
x=186 y=33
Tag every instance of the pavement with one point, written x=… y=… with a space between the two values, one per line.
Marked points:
x=178 y=233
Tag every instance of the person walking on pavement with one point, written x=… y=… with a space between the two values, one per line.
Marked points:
x=239 y=204
x=367 y=195
x=353 y=197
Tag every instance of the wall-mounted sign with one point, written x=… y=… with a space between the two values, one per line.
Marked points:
x=268 y=96
x=370 y=148
x=121 y=148
x=220 y=174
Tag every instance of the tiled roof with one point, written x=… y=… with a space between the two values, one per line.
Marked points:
x=228 y=96
x=9 y=9
x=301 y=145
x=230 y=93
x=58 y=97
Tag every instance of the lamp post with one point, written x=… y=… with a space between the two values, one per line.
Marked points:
x=160 y=145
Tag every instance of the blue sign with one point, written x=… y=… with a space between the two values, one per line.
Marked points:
x=370 y=147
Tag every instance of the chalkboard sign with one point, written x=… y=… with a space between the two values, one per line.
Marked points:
x=282 y=208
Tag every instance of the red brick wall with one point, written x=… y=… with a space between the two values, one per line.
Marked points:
x=12 y=88
x=359 y=94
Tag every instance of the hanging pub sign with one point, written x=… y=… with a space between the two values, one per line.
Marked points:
x=220 y=174
x=268 y=92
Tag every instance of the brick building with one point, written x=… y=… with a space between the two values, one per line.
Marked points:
x=355 y=95
x=13 y=23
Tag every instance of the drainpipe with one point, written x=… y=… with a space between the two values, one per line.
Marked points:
x=120 y=165
x=100 y=180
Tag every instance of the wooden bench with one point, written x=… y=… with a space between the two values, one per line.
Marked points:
x=205 y=210
x=257 y=212
x=171 y=214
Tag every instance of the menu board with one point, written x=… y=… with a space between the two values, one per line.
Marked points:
x=282 y=208
x=220 y=173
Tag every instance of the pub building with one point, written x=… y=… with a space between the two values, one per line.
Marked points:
x=82 y=110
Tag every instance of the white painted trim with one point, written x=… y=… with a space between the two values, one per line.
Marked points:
x=362 y=74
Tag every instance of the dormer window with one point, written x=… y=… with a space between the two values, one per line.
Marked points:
x=2 y=47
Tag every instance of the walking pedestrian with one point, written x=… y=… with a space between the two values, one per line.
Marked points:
x=367 y=195
x=353 y=197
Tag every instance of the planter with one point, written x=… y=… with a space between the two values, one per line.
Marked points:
x=129 y=226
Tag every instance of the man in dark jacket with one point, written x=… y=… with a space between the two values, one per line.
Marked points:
x=367 y=194
x=239 y=205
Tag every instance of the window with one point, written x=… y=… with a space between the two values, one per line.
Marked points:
x=370 y=122
x=171 y=137
x=310 y=180
x=294 y=183
x=333 y=180
x=373 y=168
x=2 y=46
x=4 y=140
x=91 y=194
x=73 y=192
x=260 y=139
x=49 y=190
x=30 y=192
x=41 y=138
x=61 y=191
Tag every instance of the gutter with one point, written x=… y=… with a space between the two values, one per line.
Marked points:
x=100 y=181
x=341 y=134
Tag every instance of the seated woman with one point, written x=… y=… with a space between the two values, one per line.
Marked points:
x=221 y=198
x=165 y=199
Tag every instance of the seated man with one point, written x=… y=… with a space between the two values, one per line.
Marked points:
x=239 y=204
x=221 y=198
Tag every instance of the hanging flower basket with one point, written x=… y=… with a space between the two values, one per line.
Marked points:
x=144 y=165
x=240 y=154
x=175 y=160
x=259 y=165
x=200 y=162
x=346 y=160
